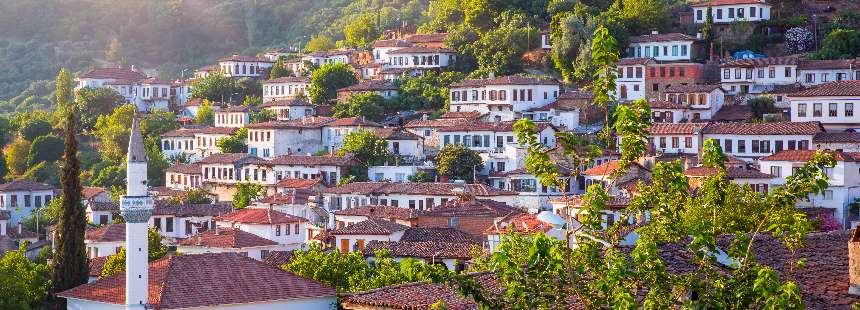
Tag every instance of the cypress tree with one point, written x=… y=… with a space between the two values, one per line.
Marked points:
x=71 y=264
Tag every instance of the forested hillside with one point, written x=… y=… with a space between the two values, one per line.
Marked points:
x=39 y=37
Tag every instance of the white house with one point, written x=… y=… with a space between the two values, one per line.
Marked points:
x=422 y=58
x=843 y=180
x=757 y=75
x=101 y=212
x=837 y=141
x=403 y=216
x=403 y=143
x=329 y=169
x=184 y=176
x=683 y=138
x=233 y=116
x=288 y=87
x=195 y=143
x=630 y=82
x=179 y=221
x=688 y=102
x=566 y=111
x=276 y=138
x=832 y=104
x=382 y=47
x=354 y=237
x=431 y=245
x=282 y=228
x=145 y=93
x=752 y=141
x=662 y=46
x=729 y=11
x=386 y=89
x=22 y=197
x=395 y=173
x=289 y=109
x=814 y=72
x=229 y=240
x=105 y=240
x=335 y=132
x=504 y=98
x=228 y=286
x=327 y=57
x=420 y=196
x=238 y=66
x=545 y=39
x=491 y=137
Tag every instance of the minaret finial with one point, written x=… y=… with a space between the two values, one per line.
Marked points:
x=136 y=148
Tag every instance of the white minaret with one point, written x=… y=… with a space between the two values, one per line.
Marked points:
x=136 y=207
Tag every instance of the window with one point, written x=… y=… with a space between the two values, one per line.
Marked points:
x=731 y=12
x=26 y=201
x=277 y=230
x=742 y=146
x=761 y=73
x=719 y=13
x=674 y=50
x=662 y=142
x=833 y=112
x=740 y=12
x=828 y=194
x=698 y=14
x=778 y=146
x=168 y=224
x=809 y=77
x=286 y=229
x=726 y=74
x=683 y=50
x=156 y=222
x=849 y=109
x=688 y=142
x=801 y=110
x=755 y=146
x=816 y=110
x=296 y=228
x=776 y=171
x=728 y=144
x=675 y=142
x=765 y=146
x=787 y=71
x=737 y=73
x=749 y=73
x=771 y=73
x=103 y=219
x=682 y=69
x=453 y=222
x=752 y=12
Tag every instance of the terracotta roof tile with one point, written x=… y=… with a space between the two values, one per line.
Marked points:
x=469 y=115
x=727 y=2
x=693 y=88
x=806 y=155
x=295 y=102
x=190 y=132
x=24 y=185
x=762 y=62
x=396 y=134
x=207 y=280
x=663 y=104
x=243 y=58
x=421 y=50
x=226 y=238
x=278 y=258
x=442 y=234
x=228 y=158
x=391 y=43
x=420 y=295
x=380 y=211
x=472 y=207
x=524 y=223
x=826 y=64
x=506 y=80
x=371 y=226
x=352 y=121
x=676 y=129
x=297 y=183
x=192 y=210
x=311 y=160
x=89 y=191
x=436 y=123
x=662 y=37
x=410 y=188
x=426 y=37
x=635 y=61
x=734 y=113
x=832 y=89
x=778 y=128
x=103 y=206
x=293 y=197
x=259 y=216
x=289 y=79
x=305 y=122
x=107 y=233
x=114 y=74
x=836 y=137
x=424 y=249
x=194 y=168
x=506 y=126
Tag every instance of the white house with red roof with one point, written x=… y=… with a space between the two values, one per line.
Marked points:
x=298 y=136
x=285 y=229
x=229 y=240
x=232 y=281
x=382 y=47
x=729 y=11
x=757 y=75
x=815 y=72
x=386 y=89
x=663 y=46
x=334 y=132
x=431 y=245
x=179 y=221
x=105 y=240
x=420 y=196
x=282 y=88
x=238 y=66
x=682 y=138
x=402 y=216
x=354 y=237
x=504 y=98
x=688 y=102
x=759 y=181
x=21 y=197
x=421 y=58
x=623 y=185
x=832 y=104
x=194 y=142
x=233 y=117
x=843 y=180
x=146 y=93
x=289 y=109
x=184 y=176
x=837 y=141
x=752 y=141
x=491 y=137
x=630 y=81
x=328 y=57
x=566 y=111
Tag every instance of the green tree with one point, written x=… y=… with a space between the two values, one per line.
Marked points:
x=279 y=69
x=24 y=283
x=192 y=196
x=604 y=55
x=840 y=44
x=248 y=87
x=368 y=149
x=762 y=105
x=95 y=102
x=427 y=91
x=234 y=143
x=113 y=131
x=108 y=175
x=712 y=154
x=214 y=87
x=326 y=80
x=247 y=192
x=45 y=149
x=16 y=156
x=262 y=116
x=72 y=266
x=499 y=50
x=35 y=128
x=571 y=35
x=205 y=114
x=156 y=123
x=4 y=169
x=366 y=105
x=116 y=263
x=45 y=172
x=422 y=177
x=362 y=31
x=458 y=162
x=319 y=43
x=114 y=53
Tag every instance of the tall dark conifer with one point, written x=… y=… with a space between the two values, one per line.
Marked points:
x=71 y=264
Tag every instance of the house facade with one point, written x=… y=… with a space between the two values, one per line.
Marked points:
x=505 y=98
x=832 y=104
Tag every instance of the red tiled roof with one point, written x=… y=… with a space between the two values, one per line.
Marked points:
x=662 y=37
x=694 y=88
x=352 y=121
x=107 y=233
x=185 y=168
x=469 y=115
x=192 y=210
x=506 y=126
x=396 y=134
x=524 y=223
x=289 y=79
x=297 y=183
x=227 y=158
x=421 y=50
x=826 y=64
x=778 y=128
x=90 y=191
x=293 y=197
x=102 y=206
x=424 y=249
x=472 y=207
x=663 y=104
x=727 y=2
x=734 y=113
x=410 y=188
x=311 y=160
x=190 y=132
x=606 y=168
x=731 y=173
x=391 y=43
x=442 y=234
x=329 y=53
x=426 y=37
x=436 y=123
x=278 y=258
x=832 y=89
x=226 y=238
x=676 y=129
x=24 y=185
x=380 y=211
x=762 y=62
x=806 y=155
x=836 y=137
x=305 y=122
x=97 y=264
x=506 y=80
x=113 y=74
x=371 y=226
x=635 y=61
x=260 y=216
x=243 y=58
x=420 y=295
x=207 y=280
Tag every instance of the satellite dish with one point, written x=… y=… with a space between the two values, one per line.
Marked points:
x=551 y=218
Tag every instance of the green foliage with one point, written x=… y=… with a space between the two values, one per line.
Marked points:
x=762 y=105
x=712 y=154
x=156 y=123
x=644 y=15
x=367 y=148
x=234 y=143
x=262 y=116
x=248 y=87
x=35 y=128
x=205 y=113
x=192 y=196
x=95 y=102
x=45 y=149
x=279 y=69
x=352 y=273
x=326 y=80
x=362 y=31
x=113 y=130
x=428 y=91
x=108 y=175
x=499 y=49
x=631 y=123
x=839 y=44
x=214 y=87
x=319 y=43
x=422 y=177
x=247 y=192
x=4 y=169
x=16 y=156
x=571 y=44
x=24 y=283
x=116 y=263
x=45 y=172
x=458 y=162
x=367 y=105
x=604 y=56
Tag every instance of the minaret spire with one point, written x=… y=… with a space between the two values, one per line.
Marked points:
x=136 y=207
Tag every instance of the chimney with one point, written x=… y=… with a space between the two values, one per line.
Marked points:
x=655 y=32
x=854 y=263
